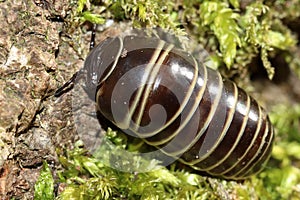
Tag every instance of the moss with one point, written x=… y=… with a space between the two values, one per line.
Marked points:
x=108 y=183
x=90 y=178
x=44 y=187
x=236 y=35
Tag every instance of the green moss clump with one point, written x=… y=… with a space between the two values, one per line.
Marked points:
x=89 y=178
x=234 y=35
x=44 y=186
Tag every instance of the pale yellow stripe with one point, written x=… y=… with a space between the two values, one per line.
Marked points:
x=249 y=147
x=237 y=139
x=268 y=157
x=115 y=62
x=208 y=120
x=148 y=70
x=193 y=109
x=151 y=80
x=252 y=143
x=259 y=150
x=259 y=124
x=226 y=127
x=178 y=112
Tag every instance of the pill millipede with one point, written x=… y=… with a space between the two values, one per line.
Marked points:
x=151 y=89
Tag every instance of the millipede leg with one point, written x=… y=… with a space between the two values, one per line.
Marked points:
x=63 y=89
x=92 y=42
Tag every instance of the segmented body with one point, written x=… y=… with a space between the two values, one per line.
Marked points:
x=152 y=90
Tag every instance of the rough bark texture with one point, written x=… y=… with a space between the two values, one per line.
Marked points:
x=32 y=122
